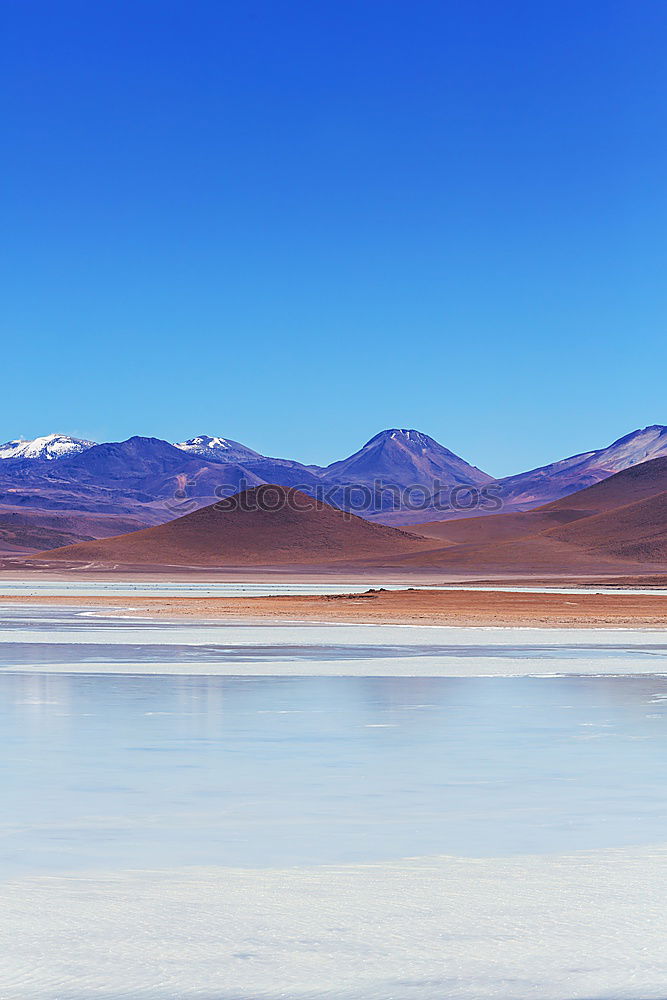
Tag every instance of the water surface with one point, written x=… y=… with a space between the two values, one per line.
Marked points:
x=106 y=770
x=234 y=810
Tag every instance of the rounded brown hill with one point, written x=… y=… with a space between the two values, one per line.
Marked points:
x=640 y=482
x=263 y=526
x=602 y=528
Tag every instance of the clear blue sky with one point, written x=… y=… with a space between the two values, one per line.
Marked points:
x=296 y=223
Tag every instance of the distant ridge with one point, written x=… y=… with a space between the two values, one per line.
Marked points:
x=550 y=482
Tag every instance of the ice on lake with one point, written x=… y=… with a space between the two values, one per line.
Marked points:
x=362 y=812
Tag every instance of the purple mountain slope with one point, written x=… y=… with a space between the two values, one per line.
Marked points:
x=120 y=477
x=284 y=472
x=405 y=458
x=400 y=458
x=145 y=478
x=135 y=462
x=559 y=479
x=261 y=468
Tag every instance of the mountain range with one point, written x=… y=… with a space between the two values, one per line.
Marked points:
x=58 y=489
x=616 y=526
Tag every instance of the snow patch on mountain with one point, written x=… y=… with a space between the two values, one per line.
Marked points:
x=218 y=449
x=639 y=446
x=47 y=448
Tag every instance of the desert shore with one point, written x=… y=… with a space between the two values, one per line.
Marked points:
x=403 y=607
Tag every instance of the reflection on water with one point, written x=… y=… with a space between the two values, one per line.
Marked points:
x=109 y=770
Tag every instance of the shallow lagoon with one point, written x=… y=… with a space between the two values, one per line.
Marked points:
x=132 y=743
x=235 y=810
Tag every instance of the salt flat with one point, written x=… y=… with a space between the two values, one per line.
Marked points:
x=530 y=928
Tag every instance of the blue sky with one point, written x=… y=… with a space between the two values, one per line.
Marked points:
x=296 y=223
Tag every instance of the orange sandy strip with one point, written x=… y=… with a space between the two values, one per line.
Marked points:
x=405 y=607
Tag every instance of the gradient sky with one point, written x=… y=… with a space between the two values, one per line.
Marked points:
x=296 y=223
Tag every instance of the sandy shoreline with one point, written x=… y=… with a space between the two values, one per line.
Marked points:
x=400 y=607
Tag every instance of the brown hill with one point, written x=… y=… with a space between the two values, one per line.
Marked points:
x=637 y=531
x=602 y=528
x=493 y=528
x=638 y=483
x=266 y=525
x=22 y=531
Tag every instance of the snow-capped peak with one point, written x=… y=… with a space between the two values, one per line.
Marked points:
x=414 y=441
x=405 y=456
x=218 y=449
x=47 y=448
